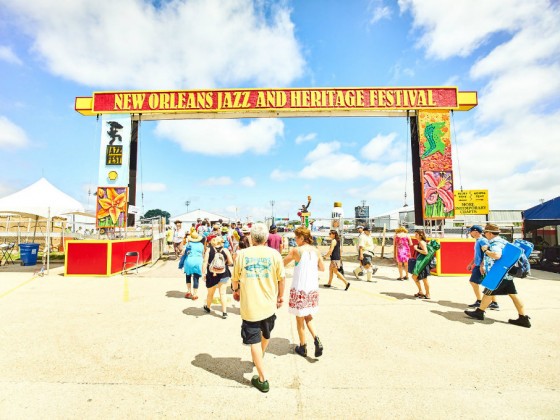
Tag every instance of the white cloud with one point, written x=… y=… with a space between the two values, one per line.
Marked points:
x=305 y=137
x=217 y=181
x=323 y=150
x=11 y=135
x=466 y=24
x=382 y=148
x=178 y=44
x=278 y=175
x=248 y=182
x=510 y=143
x=391 y=189
x=153 y=187
x=326 y=161
x=222 y=137
x=7 y=55
x=380 y=13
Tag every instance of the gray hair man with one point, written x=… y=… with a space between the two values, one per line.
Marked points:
x=258 y=283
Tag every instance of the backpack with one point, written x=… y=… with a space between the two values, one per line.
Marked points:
x=226 y=241
x=521 y=268
x=218 y=263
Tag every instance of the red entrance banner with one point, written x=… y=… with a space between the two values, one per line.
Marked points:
x=185 y=101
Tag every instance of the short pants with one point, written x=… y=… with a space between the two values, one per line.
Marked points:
x=251 y=331
x=336 y=264
x=506 y=287
x=476 y=275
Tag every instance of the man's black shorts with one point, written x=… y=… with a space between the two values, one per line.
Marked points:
x=251 y=331
x=506 y=287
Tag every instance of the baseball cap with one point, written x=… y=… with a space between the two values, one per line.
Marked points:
x=476 y=227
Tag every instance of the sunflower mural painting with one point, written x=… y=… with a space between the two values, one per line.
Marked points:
x=436 y=165
x=111 y=207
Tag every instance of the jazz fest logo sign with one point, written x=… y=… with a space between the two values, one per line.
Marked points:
x=115 y=150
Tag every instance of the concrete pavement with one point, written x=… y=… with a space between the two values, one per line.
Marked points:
x=132 y=347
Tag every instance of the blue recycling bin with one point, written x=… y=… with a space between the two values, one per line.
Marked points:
x=28 y=253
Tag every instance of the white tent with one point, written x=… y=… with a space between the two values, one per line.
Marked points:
x=41 y=199
x=192 y=216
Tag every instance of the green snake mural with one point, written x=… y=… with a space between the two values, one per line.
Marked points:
x=433 y=134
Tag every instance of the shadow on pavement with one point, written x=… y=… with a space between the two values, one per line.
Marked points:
x=194 y=311
x=232 y=368
x=446 y=303
x=280 y=346
x=400 y=296
x=465 y=319
x=175 y=294
x=450 y=304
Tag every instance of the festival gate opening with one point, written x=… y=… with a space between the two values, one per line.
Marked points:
x=428 y=109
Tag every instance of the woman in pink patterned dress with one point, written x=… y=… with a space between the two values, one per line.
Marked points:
x=304 y=292
x=401 y=246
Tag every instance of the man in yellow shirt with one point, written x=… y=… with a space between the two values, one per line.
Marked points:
x=365 y=255
x=258 y=283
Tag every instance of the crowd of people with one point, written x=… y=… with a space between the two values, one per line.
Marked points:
x=250 y=258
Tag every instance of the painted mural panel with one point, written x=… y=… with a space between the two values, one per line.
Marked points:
x=111 y=207
x=436 y=165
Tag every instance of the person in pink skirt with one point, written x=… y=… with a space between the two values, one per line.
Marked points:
x=401 y=246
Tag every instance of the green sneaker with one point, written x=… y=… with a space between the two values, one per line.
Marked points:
x=261 y=386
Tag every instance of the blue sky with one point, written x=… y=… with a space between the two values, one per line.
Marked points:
x=52 y=51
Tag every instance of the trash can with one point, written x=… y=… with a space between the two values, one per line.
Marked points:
x=28 y=253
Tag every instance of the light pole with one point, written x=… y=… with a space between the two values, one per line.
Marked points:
x=187 y=203
x=272 y=205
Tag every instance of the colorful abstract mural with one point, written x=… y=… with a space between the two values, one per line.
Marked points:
x=436 y=165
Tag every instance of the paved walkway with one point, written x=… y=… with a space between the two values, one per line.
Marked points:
x=133 y=347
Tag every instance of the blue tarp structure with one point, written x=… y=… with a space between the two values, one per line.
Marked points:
x=545 y=214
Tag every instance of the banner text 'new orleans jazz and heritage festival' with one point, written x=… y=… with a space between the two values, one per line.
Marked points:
x=276 y=99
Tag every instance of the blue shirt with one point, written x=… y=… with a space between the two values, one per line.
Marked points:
x=193 y=262
x=478 y=254
x=495 y=245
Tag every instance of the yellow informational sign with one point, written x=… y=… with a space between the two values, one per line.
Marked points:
x=471 y=202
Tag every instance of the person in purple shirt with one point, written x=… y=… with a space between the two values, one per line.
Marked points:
x=274 y=239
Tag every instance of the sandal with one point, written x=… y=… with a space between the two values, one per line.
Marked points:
x=425 y=297
x=326 y=285
x=194 y=297
x=419 y=295
x=188 y=295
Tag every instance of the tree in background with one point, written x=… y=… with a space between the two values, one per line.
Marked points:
x=156 y=213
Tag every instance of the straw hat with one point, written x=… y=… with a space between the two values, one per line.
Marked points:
x=492 y=228
x=194 y=237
